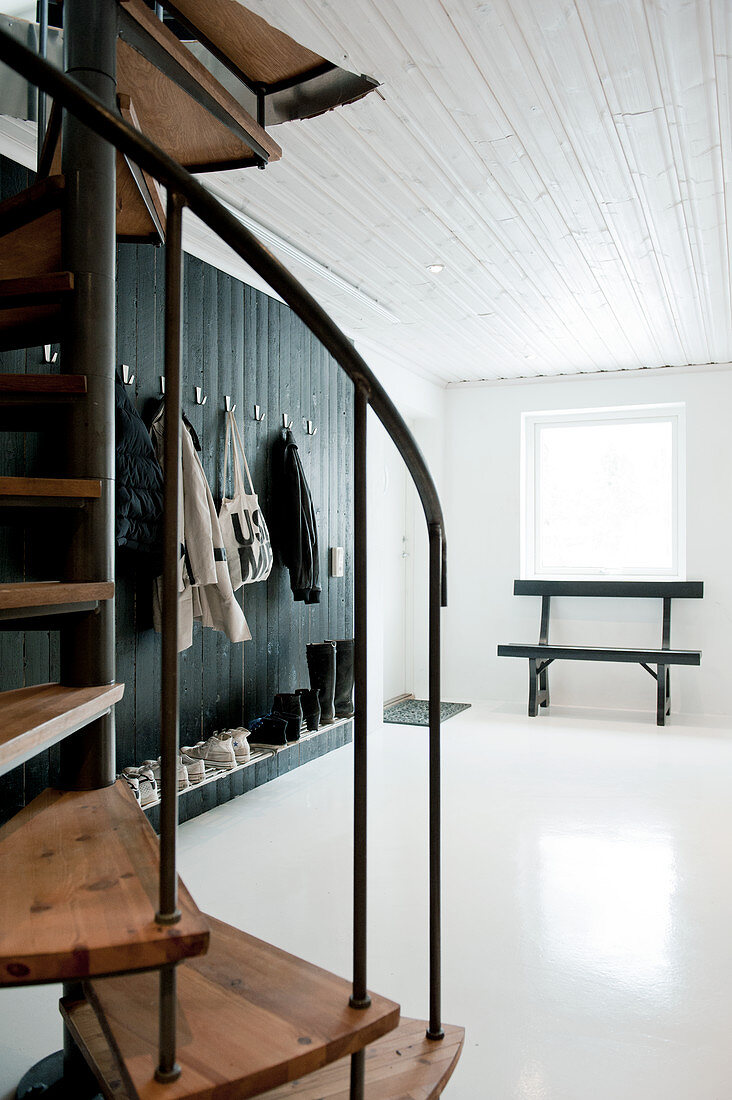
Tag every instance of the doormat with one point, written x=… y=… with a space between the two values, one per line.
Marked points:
x=415 y=712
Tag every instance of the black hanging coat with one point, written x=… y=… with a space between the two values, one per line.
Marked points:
x=139 y=488
x=297 y=532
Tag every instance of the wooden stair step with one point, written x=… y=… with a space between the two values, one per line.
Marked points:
x=88 y=1034
x=168 y=115
x=37 y=388
x=404 y=1065
x=250 y=1017
x=34 y=718
x=75 y=488
x=32 y=599
x=30 y=228
x=31 y=306
x=80 y=886
x=140 y=210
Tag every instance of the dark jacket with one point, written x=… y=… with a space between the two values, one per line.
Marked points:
x=297 y=532
x=139 y=489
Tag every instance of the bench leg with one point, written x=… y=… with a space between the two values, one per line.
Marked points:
x=544 y=687
x=533 y=684
x=663 y=701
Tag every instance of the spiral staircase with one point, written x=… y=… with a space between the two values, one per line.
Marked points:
x=160 y=1000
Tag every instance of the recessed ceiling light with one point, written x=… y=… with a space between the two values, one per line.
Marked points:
x=436 y=268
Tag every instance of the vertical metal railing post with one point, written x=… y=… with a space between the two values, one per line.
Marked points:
x=359 y=995
x=41 y=112
x=436 y=589
x=168 y=1069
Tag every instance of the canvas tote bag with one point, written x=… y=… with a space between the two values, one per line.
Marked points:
x=245 y=534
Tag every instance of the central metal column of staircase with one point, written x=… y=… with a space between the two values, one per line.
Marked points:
x=161 y=1001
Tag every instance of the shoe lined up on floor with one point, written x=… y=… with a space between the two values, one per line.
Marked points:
x=143 y=784
x=287 y=705
x=269 y=730
x=224 y=749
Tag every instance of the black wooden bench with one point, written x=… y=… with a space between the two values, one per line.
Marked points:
x=542 y=654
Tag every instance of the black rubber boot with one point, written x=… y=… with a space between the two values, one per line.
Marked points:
x=288 y=706
x=310 y=707
x=270 y=730
x=344 y=678
x=322 y=669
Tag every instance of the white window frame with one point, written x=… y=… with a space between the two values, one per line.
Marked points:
x=531 y=425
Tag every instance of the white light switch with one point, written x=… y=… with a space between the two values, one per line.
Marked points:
x=337 y=561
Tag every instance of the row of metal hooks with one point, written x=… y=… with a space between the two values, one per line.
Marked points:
x=201 y=398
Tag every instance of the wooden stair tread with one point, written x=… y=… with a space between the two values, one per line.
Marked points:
x=32 y=288
x=75 y=487
x=250 y=1017
x=80 y=886
x=53 y=593
x=30 y=229
x=34 y=718
x=183 y=128
x=31 y=203
x=134 y=220
x=40 y=387
x=254 y=47
x=404 y=1065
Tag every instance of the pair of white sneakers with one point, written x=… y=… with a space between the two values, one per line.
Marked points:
x=224 y=749
x=190 y=770
x=143 y=783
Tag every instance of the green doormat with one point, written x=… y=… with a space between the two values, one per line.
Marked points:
x=414 y=712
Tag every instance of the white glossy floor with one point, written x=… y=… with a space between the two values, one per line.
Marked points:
x=588 y=898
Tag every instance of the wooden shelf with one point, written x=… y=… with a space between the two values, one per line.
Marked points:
x=251 y=1017
x=259 y=752
x=42 y=598
x=34 y=718
x=38 y=388
x=404 y=1065
x=80 y=886
x=49 y=488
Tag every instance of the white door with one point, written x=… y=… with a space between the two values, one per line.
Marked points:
x=396 y=524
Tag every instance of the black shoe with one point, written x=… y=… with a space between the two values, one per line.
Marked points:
x=344 y=678
x=270 y=730
x=310 y=707
x=287 y=705
x=322 y=670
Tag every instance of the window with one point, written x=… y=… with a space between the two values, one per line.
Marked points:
x=604 y=493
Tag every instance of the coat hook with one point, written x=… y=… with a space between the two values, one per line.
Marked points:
x=200 y=399
x=309 y=428
x=258 y=414
x=228 y=405
x=286 y=421
x=127 y=378
x=47 y=357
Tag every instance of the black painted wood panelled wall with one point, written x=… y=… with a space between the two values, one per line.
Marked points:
x=238 y=342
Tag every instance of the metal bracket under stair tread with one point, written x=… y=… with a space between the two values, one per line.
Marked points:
x=80 y=872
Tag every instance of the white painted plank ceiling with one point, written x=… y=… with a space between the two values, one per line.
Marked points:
x=568 y=161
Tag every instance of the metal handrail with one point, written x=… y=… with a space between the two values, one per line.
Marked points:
x=90 y=109
x=184 y=189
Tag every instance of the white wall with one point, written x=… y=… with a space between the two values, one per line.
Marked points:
x=421 y=403
x=482 y=502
